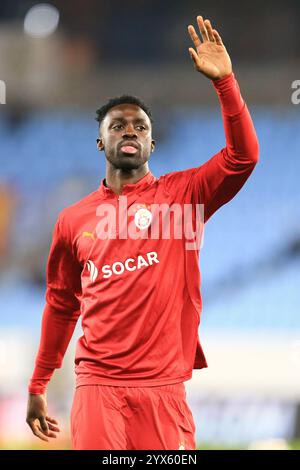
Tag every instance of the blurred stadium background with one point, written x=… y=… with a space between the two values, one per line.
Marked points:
x=58 y=65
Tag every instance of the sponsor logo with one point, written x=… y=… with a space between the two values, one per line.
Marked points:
x=88 y=234
x=130 y=264
x=119 y=267
x=92 y=270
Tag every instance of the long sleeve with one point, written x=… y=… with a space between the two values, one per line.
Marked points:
x=218 y=180
x=221 y=177
x=62 y=308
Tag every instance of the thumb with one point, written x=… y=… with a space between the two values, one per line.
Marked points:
x=44 y=425
x=194 y=56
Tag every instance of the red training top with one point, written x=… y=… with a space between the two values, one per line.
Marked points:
x=139 y=299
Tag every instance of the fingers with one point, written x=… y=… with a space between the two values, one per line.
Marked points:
x=208 y=34
x=51 y=426
x=47 y=426
x=48 y=433
x=194 y=57
x=48 y=418
x=51 y=422
x=217 y=37
x=44 y=428
x=37 y=430
x=209 y=31
x=44 y=425
x=194 y=36
x=203 y=29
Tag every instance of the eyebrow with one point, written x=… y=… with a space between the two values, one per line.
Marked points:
x=121 y=119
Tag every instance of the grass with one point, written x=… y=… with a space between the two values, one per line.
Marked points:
x=65 y=445
x=294 y=445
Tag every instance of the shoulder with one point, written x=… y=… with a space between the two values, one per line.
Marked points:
x=69 y=217
x=72 y=209
x=176 y=180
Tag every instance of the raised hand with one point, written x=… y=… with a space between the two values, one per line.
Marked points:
x=210 y=57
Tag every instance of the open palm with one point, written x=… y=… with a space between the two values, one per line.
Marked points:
x=210 y=57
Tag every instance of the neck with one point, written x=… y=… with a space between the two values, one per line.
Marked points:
x=116 y=178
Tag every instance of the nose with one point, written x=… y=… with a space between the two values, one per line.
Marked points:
x=129 y=130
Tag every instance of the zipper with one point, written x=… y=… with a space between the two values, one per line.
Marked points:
x=117 y=214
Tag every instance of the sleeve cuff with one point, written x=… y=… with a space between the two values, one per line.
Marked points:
x=36 y=390
x=229 y=94
x=40 y=380
x=225 y=82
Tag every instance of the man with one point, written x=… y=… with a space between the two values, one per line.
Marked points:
x=139 y=297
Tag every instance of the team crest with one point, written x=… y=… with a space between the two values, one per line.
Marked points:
x=142 y=217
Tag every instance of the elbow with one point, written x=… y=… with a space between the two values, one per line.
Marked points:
x=253 y=158
x=246 y=157
x=253 y=153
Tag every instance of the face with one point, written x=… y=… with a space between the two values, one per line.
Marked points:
x=126 y=137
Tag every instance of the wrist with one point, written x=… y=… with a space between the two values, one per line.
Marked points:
x=40 y=380
x=228 y=91
x=227 y=79
x=37 y=390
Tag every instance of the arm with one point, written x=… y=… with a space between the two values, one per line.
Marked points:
x=220 y=178
x=60 y=316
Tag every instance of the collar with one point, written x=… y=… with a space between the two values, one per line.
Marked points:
x=141 y=184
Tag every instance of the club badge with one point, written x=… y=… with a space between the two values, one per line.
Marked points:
x=142 y=217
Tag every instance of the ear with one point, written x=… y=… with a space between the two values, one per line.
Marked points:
x=152 y=145
x=100 y=145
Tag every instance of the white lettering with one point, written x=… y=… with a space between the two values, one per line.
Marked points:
x=152 y=256
x=2 y=92
x=106 y=270
x=118 y=267
x=141 y=262
x=127 y=264
x=115 y=265
x=296 y=94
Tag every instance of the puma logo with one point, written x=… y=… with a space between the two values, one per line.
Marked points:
x=88 y=234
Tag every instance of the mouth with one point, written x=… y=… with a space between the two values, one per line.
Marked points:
x=129 y=148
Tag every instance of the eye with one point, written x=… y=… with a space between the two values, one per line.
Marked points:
x=117 y=126
x=141 y=127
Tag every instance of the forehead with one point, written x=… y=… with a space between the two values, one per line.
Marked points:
x=126 y=111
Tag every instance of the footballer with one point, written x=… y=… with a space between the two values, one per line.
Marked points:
x=138 y=296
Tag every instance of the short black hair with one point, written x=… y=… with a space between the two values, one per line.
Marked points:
x=124 y=99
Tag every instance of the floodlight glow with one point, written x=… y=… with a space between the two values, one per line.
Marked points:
x=41 y=20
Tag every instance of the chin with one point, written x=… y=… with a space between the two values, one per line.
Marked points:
x=129 y=165
x=124 y=162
